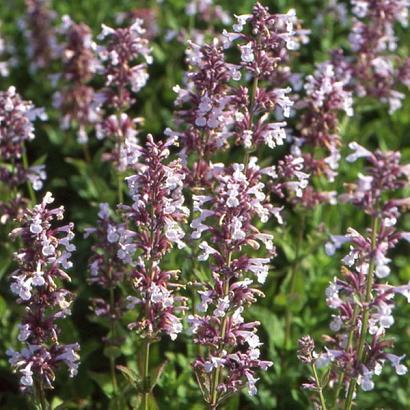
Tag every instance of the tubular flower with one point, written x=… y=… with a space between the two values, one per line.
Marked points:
x=363 y=302
x=123 y=76
x=37 y=283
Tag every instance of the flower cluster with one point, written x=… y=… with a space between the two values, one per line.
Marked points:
x=152 y=227
x=37 y=282
x=207 y=11
x=76 y=100
x=123 y=77
x=364 y=305
x=16 y=129
x=318 y=141
x=39 y=33
x=228 y=218
x=214 y=107
x=372 y=38
x=106 y=268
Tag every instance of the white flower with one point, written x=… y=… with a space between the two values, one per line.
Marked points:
x=401 y=369
x=24 y=332
x=365 y=380
x=213 y=363
x=242 y=19
x=260 y=267
x=359 y=152
x=247 y=55
x=174 y=233
x=222 y=307
x=27 y=378
x=336 y=241
x=206 y=251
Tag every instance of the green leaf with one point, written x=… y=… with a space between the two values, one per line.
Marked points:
x=112 y=352
x=104 y=382
x=156 y=374
x=130 y=374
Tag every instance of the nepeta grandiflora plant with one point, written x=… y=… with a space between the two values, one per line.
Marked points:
x=123 y=77
x=75 y=98
x=42 y=259
x=16 y=130
x=130 y=252
x=37 y=26
x=374 y=69
x=214 y=109
x=363 y=302
x=318 y=140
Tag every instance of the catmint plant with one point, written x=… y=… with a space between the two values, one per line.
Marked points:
x=132 y=251
x=216 y=109
x=374 y=68
x=124 y=76
x=42 y=261
x=75 y=98
x=37 y=26
x=108 y=271
x=361 y=297
x=17 y=118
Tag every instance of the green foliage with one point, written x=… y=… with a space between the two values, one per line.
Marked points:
x=80 y=184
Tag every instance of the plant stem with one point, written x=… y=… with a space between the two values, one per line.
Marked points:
x=39 y=394
x=216 y=375
x=366 y=311
x=112 y=359
x=26 y=167
x=119 y=185
x=319 y=387
x=294 y=271
x=145 y=373
x=349 y=346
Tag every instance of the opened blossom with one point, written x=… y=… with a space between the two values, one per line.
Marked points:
x=37 y=282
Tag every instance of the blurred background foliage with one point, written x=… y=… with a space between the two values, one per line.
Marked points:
x=80 y=186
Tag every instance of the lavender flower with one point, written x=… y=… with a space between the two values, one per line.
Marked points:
x=76 y=100
x=37 y=282
x=123 y=77
x=363 y=305
x=37 y=26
